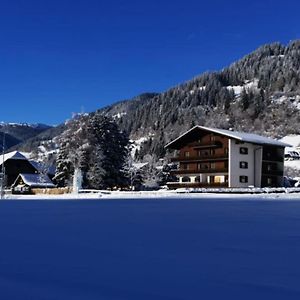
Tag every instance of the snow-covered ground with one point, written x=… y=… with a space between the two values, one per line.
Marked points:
x=136 y=144
x=165 y=194
x=178 y=249
x=247 y=86
x=295 y=100
x=293 y=140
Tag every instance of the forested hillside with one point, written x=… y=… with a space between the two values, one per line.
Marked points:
x=259 y=93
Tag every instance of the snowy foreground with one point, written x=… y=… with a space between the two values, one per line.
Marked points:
x=291 y=193
x=164 y=249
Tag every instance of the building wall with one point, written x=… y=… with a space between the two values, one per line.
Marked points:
x=13 y=167
x=244 y=177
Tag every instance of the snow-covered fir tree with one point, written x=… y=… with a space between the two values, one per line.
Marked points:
x=96 y=146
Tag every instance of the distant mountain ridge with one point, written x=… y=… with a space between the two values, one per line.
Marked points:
x=16 y=133
x=259 y=93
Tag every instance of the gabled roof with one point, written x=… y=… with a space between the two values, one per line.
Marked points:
x=240 y=136
x=42 y=168
x=36 y=180
x=12 y=155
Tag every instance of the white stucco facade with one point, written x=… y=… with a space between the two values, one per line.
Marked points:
x=250 y=175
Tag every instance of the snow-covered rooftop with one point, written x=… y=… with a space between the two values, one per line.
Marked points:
x=37 y=180
x=241 y=136
x=12 y=155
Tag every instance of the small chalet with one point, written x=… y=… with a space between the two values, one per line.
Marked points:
x=26 y=182
x=14 y=164
x=209 y=157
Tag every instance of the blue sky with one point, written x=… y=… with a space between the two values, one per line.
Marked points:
x=59 y=57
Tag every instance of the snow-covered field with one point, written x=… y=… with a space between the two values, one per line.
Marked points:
x=164 y=249
x=290 y=193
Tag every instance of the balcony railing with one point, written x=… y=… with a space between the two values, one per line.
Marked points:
x=272 y=172
x=213 y=157
x=273 y=158
x=200 y=171
x=210 y=144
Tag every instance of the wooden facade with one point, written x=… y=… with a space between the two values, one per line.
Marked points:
x=203 y=162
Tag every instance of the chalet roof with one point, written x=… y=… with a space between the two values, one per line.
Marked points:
x=12 y=155
x=240 y=136
x=36 y=180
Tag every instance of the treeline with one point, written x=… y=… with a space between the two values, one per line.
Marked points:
x=264 y=76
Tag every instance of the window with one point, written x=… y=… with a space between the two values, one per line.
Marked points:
x=212 y=138
x=185 y=166
x=243 y=179
x=203 y=153
x=186 y=154
x=197 y=179
x=202 y=166
x=243 y=150
x=226 y=151
x=186 y=179
x=212 y=151
x=243 y=165
x=212 y=165
x=269 y=181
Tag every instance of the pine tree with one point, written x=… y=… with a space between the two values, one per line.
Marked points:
x=95 y=145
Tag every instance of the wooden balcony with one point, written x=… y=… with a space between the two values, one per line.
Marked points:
x=215 y=157
x=201 y=171
x=207 y=145
x=274 y=158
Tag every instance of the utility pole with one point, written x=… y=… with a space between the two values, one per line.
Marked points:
x=3 y=168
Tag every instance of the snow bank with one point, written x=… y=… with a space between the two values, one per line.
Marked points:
x=243 y=193
x=293 y=140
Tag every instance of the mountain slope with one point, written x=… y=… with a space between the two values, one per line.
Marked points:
x=16 y=133
x=259 y=93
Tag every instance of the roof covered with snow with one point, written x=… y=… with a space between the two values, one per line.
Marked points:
x=139 y=166
x=36 y=180
x=240 y=136
x=12 y=155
